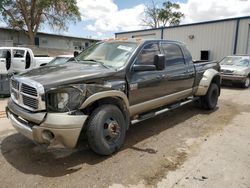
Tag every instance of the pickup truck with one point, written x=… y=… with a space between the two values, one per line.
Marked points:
x=107 y=88
x=16 y=59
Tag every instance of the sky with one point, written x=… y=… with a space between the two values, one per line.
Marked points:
x=102 y=18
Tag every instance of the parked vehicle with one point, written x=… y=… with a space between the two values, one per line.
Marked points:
x=59 y=60
x=236 y=69
x=15 y=59
x=108 y=87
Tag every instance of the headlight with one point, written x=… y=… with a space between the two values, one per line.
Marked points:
x=65 y=99
x=240 y=73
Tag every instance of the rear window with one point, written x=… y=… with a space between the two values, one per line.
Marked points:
x=18 y=53
x=173 y=54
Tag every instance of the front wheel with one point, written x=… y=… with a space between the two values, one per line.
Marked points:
x=209 y=101
x=106 y=130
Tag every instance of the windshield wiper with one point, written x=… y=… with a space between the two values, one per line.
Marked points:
x=99 y=62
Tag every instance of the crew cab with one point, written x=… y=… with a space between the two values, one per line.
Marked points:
x=16 y=59
x=105 y=89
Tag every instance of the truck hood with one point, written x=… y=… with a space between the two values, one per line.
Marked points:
x=50 y=76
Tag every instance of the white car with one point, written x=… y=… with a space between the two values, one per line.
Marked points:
x=15 y=59
x=236 y=69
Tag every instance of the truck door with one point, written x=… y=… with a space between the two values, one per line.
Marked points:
x=176 y=69
x=19 y=60
x=146 y=85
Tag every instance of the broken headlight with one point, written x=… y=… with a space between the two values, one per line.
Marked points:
x=66 y=99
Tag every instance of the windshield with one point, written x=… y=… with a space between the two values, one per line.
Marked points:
x=110 y=54
x=58 y=60
x=242 y=61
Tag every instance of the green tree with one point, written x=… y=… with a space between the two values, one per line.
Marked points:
x=167 y=14
x=30 y=15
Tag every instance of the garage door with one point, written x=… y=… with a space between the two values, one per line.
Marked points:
x=248 y=41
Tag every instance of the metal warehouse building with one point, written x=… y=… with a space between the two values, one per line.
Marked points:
x=211 y=40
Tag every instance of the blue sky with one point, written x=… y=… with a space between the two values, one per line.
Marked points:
x=102 y=18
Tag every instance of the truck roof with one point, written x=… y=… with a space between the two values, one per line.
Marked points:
x=141 y=40
x=11 y=48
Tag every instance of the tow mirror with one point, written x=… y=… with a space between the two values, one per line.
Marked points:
x=159 y=61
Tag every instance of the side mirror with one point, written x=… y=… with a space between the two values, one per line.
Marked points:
x=76 y=53
x=160 y=61
x=138 y=68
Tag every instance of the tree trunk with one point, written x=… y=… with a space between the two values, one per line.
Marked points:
x=31 y=38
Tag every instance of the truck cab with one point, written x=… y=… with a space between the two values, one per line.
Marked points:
x=17 y=59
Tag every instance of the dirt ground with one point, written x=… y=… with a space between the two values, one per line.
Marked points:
x=156 y=152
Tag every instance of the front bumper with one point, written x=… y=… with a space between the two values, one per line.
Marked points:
x=233 y=78
x=57 y=130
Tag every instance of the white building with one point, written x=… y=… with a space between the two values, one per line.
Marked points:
x=210 y=40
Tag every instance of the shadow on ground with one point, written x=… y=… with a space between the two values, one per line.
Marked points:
x=30 y=158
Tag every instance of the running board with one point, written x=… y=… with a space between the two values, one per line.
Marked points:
x=171 y=107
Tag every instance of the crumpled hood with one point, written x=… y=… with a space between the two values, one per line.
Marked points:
x=67 y=73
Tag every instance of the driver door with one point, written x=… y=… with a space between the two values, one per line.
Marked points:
x=146 y=85
x=18 y=60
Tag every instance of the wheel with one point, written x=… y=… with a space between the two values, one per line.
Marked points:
x=246 y=83
x=209 y=101
x=106 y=130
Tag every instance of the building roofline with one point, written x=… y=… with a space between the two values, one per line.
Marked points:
x=190 y=24
x=53 y=34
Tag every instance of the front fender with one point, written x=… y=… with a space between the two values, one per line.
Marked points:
x=205 y=82
x=105 y=94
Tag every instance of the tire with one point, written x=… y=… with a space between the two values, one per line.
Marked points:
x=209 y=101
x=106 y=130
x=246 y=83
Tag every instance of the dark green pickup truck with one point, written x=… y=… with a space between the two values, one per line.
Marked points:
x=104 y=90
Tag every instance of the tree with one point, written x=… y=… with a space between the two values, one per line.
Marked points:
x=30 y=15
x=151 y=16
x=168 y=14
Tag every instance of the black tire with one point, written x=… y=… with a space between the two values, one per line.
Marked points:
x=246 y=83
x=209 y=101
x=106 y=130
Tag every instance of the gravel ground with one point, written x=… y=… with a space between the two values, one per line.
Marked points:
x=153 y=151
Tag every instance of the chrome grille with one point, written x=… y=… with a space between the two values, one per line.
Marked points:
x=28 y=90
x=227 y=71
x=31 y=102
x=27 y=94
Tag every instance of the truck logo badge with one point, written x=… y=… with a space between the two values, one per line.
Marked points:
x=133 y=87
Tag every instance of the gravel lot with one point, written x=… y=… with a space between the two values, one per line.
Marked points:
x=163 y=151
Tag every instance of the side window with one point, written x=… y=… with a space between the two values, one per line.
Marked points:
x=148 y=53
x=173 y=54
x=18 y=53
